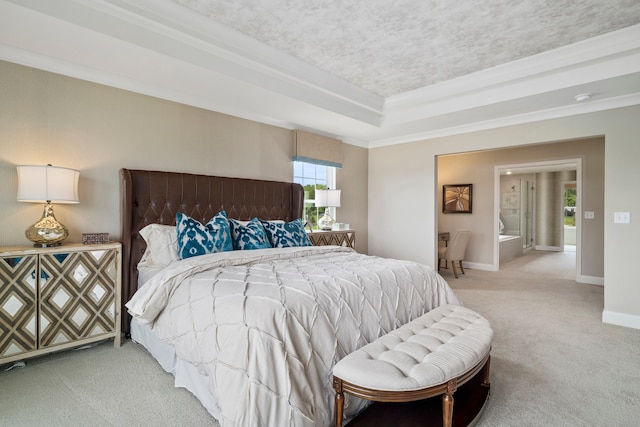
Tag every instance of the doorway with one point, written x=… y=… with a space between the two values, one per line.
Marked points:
x=569 y=203
x=537 y=208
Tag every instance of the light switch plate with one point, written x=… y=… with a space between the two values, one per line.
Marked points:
x=589 y=215
x=621 y=217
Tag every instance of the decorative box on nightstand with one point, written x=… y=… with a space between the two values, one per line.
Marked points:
x=333 y=237
x=57 y=298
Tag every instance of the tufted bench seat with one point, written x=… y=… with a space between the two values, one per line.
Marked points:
x=429 y=356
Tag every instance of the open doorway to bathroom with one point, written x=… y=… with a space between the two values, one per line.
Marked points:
x=538 y=208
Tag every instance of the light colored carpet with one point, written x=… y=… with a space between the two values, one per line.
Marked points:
x=100 y=386
x=554 y=363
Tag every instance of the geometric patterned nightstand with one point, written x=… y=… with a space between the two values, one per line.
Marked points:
x=333 y=238
x=57 y=298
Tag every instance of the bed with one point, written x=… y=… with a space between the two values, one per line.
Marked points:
x=254 y=334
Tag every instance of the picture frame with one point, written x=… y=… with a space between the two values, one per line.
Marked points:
x=457 y=198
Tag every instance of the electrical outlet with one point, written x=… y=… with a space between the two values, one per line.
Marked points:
x=589 y=215
x=621 y=217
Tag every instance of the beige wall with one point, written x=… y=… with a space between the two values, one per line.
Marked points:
x=403 y=208
x=352 y=180
x=48 y=118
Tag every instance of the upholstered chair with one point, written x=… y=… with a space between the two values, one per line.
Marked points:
x=454 y=251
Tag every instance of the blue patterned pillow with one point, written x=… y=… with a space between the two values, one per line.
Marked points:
x=250 y=236
x=196 y=239
x=286 y=234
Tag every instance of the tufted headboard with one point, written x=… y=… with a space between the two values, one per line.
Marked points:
x=148 y=197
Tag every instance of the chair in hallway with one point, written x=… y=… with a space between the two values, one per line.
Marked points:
x=454 y=251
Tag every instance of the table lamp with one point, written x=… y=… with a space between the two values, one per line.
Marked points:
x=328 y=199
x=47 y=184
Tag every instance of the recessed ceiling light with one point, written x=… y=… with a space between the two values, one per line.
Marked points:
x=582 y=97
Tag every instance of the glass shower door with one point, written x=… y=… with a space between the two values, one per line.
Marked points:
x=527 y=191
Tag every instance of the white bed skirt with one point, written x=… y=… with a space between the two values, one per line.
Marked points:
x=186 y=375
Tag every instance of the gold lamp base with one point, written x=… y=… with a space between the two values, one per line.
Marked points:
x=48 y=231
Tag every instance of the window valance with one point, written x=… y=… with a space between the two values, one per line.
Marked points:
x=317 y=149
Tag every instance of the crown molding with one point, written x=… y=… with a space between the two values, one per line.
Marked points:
x=610 y=55
x=178 y=34
x=548 y=114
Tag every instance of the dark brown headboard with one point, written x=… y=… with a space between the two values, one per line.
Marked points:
x=155 y=197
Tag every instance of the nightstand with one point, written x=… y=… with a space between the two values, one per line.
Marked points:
x=333 y=237
x=57 y=298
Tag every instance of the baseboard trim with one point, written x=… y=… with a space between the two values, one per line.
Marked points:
x=479 y=266
x=590 y=280
x=549 y=248
x=621 y=319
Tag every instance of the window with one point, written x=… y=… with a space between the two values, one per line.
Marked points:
x=570 y=196
x=312 y=176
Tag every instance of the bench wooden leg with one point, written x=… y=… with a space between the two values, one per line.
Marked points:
x=485 y=377
x=339 y=401
x=461 y=267
x=447 y=403
x=455 y=272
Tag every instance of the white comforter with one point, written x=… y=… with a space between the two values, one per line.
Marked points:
x=267 y=326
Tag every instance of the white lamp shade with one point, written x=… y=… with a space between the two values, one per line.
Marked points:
x=47 y=184
x=327 y=198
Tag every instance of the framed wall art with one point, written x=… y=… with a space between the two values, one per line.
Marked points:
x=457 y=198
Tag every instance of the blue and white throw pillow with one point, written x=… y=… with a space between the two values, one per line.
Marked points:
x=286 y=234
x=249 y=236
x=196 y=239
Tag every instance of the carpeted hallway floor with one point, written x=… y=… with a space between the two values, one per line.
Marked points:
x=554 y=363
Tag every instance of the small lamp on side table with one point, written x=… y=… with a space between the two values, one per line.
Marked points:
x=47 y=184
x=327 y=199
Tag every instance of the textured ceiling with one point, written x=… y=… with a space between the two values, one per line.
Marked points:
x=390 y=47
x=369 y=72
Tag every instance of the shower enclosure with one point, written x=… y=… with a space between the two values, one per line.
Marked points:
x=517 y=207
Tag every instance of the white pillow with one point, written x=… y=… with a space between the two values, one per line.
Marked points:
x=162 y=245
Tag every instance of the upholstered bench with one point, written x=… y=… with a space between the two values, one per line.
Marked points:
x=429 y=356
